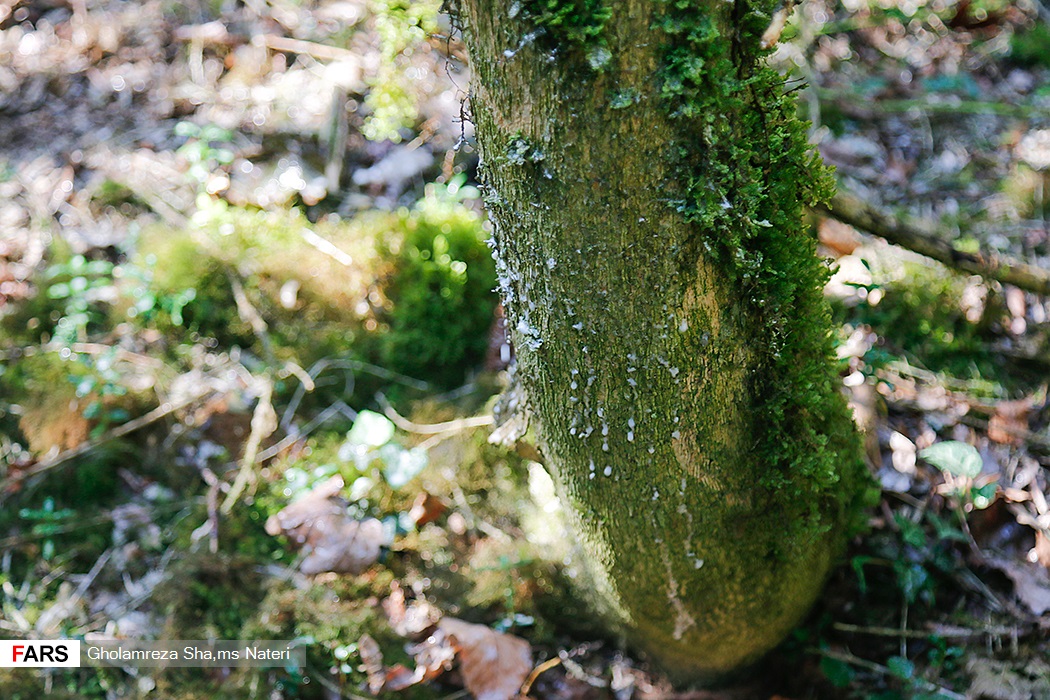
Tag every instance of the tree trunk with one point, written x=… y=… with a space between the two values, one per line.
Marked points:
x=646 y=181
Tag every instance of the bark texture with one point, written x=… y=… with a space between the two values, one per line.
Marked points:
x=646 y=178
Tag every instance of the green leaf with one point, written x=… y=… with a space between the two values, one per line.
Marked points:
x=858 y=562
x=400 y=465
x=955 y=457
x=901 y=667
x=370 y=429
x=838 y=673
x=983 y=497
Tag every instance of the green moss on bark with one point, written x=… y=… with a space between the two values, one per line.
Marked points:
x=665 y=304
x=751 y=173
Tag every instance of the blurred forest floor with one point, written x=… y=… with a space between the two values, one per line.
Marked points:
x=243 y=265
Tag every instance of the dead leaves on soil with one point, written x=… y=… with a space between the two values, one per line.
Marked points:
x=493 y=664
x=333 y=541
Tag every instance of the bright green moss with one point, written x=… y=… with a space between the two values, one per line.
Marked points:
x=577 y=21
x=749 y=173
x=441 y=291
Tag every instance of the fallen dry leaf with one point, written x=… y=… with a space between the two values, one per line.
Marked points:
x=333 y=541
x=494 y=664
x=1003 y=680
x=426 y=509
x=1010 y=422
x=1031 y=582
x=409 y=619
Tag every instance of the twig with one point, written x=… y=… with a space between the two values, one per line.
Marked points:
x=922 y=237
x=322 y=52
x=935 y=630
x=431 y=428
x=883 y=631
x=249 y=314
x=848 y=658
x=326 y=246
x=849 y=103
x=319 y=675
x=264 y=422
x=545 y=666
x=165 y=409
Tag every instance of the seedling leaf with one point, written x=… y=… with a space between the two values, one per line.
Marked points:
x=954 y=457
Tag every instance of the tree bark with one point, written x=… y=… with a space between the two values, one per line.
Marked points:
x=646 y=182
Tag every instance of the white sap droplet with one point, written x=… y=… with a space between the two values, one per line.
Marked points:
x=683 y=326
x=674 y=371
x=607 y=471
x=630 y=422
x=656 y=494
x=698 y=563
x=572 y=384
x=578 y=326
x=630 y=436
x=632 y=382
x=605 y=446
x=651 y=449
x=551 y=263
x=675 y=435
x=605 y=427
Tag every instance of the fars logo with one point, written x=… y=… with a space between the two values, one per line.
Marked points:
x=25 y=653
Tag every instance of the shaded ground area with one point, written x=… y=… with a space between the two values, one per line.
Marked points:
x=242 y=266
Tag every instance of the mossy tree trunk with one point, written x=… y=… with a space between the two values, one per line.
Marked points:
x=647 y=177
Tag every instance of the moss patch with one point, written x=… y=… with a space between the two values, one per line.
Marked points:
x=749 y=174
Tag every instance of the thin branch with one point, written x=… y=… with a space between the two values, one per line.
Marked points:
x=451 y=426
x=848 y=658
x=942 y=631
x=264 y=422
x=922 y=237
x=165 y=409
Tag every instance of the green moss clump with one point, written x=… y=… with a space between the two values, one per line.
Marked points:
x=749 y=174
x=440 y=290
x=416 y=296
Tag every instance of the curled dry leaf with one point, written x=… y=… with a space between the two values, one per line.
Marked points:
x=333 y=541
x=426 y=509
x=494 y=664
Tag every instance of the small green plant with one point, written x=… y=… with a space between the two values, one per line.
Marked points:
x=206 y=150
x=82 y=288
x=102 y=382
x=47 y=521
x=961 y=464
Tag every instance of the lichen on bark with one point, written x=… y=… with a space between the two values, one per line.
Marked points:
x=665 y=302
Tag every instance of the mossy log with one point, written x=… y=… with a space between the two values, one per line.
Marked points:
x=647 y=183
